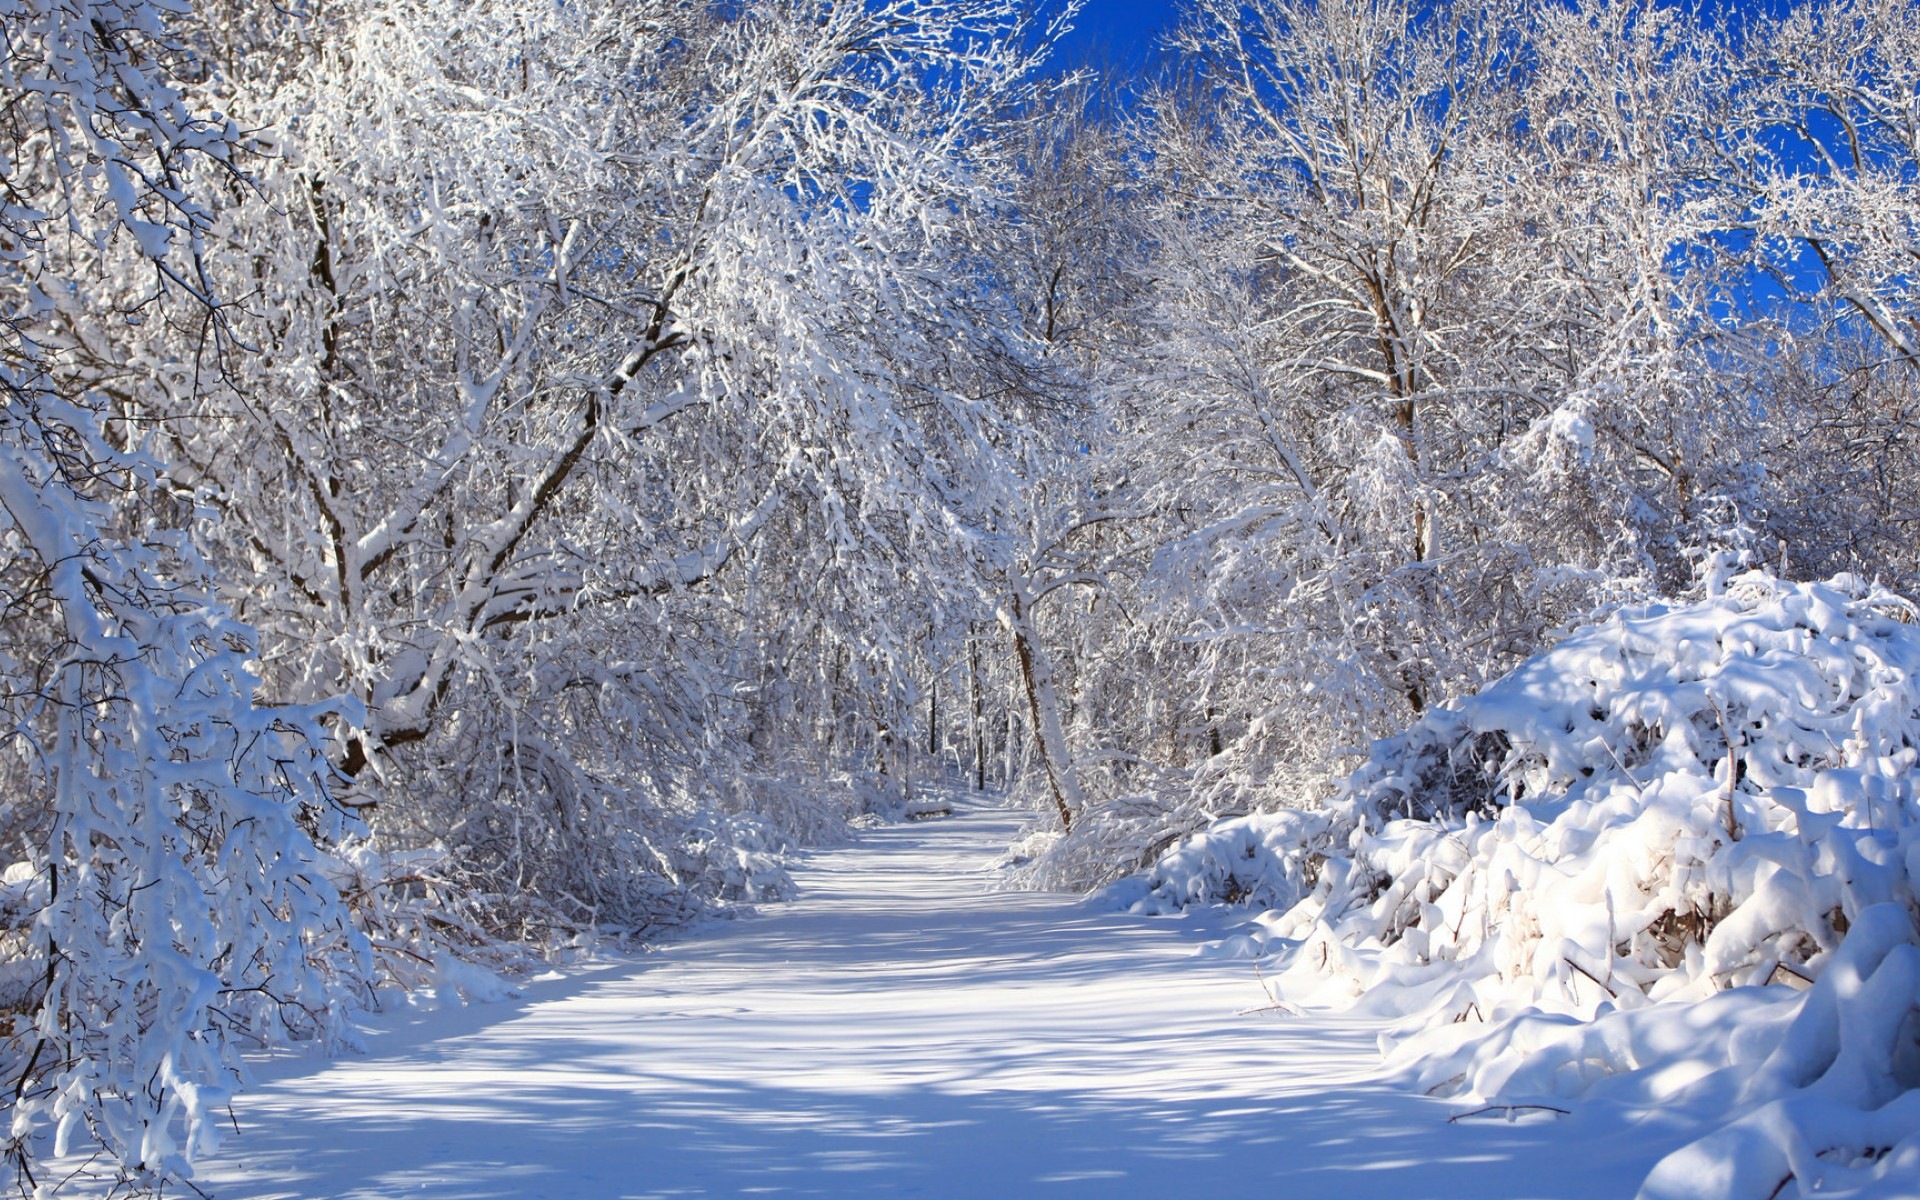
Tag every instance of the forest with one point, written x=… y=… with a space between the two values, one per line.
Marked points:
x=480 y=477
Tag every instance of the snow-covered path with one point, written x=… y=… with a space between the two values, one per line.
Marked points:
x=898 y=1030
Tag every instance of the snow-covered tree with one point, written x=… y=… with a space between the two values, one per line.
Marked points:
x=1821 y=205
x=571 y=351
x=1424 y=364
x=171 y=906
x=1832 y=143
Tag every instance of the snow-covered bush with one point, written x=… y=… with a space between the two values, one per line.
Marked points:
x=1260 y=860
x=1690 y=823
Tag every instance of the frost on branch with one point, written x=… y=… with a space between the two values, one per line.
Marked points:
x=1686 y=827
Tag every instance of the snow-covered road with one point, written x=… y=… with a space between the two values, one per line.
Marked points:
x=898 y=1030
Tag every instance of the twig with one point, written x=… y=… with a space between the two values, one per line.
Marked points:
x=1794 y=979
x=1278 y=1004
x=1509 y=1110
x=391 y=948
x=1589 y=974
x=1734 y=770
x=72 y=1175
x=193 y=1187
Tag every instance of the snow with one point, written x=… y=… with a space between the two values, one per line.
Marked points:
x=899 y=1029
x=1668 y=864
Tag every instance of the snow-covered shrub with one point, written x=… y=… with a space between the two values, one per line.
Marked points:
x=734 y=856
x=1115 y=834
x=437 y=936
x=1825 y=1082
x=809 y=804
x=1260 y=860
x=429 y=936
x=1711 y=805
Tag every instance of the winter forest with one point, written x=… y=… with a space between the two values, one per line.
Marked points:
x=483 y=479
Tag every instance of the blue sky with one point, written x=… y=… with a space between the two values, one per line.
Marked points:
x=1122 y=31
x=1119 y=30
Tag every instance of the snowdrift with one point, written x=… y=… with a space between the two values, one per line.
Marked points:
x=1671 y=860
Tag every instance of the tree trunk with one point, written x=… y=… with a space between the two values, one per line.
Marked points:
x=979 y=718
x=1036 y=672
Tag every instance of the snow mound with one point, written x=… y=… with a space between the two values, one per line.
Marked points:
x=1672 y=858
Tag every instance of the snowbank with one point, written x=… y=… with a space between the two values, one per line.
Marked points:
x=1672 y=859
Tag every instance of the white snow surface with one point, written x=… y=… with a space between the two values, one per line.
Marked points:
x=899 y=1029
